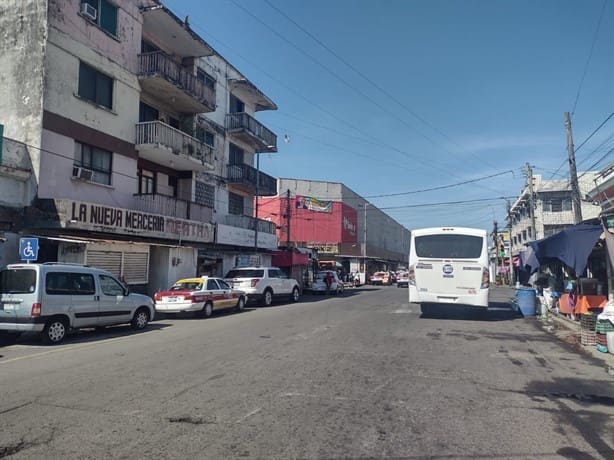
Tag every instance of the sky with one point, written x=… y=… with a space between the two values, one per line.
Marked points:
x=395 y=98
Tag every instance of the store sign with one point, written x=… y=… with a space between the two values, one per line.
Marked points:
x=313 y=204
x=96 y=217
x=324 y=248
x=228 y=234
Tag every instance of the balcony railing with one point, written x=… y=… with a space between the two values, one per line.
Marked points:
x=160 y=134
x=246 y=177
x=158 y=64
x=171 y=206
x=254 y=132
x=249 y=222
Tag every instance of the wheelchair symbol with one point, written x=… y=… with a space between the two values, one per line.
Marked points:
x=28 y=251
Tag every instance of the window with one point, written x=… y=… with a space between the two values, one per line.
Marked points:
x=205 y=136
x=147 y=182
x=524 y=235
x=110 y=286
x=95 y=86
x=207 y=79
x=147 y=113
x=235 y=204
x=17 y=281
x=223 y=285
x=236 y=105
x=95 y=159
x=204 y=194
x=449 y=246
x=106 y=15
x=62 y=283
x=235 y=155
x=212 y=285
x=557 y=204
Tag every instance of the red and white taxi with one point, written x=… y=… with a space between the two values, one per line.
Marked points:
x=203 y=295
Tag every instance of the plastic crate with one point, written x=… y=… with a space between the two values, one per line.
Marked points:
x=601 y=339
x=588 y=337
x=588 y=322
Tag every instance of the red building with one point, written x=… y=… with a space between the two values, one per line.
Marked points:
x=323 y=225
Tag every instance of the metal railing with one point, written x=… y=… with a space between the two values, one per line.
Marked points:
x=241 y=121
x=249 y=222
x=248 y=175
x=157 y=132
x=158 y=63
x=170 y=206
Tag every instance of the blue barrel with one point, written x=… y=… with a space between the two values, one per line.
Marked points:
x=527 y=300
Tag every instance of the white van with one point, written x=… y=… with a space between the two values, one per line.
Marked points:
x=52 y=298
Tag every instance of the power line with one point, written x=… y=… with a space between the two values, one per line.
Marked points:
x=590 y=55
x=344 y=81
x=448 y=203
x=361 y=74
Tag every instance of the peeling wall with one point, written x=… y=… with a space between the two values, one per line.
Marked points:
x=23 y=38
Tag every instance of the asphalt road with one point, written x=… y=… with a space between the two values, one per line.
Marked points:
x=365 y=375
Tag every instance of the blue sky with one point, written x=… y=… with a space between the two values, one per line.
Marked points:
x=421 y=94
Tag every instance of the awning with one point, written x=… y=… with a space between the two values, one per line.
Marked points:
x=572 y=246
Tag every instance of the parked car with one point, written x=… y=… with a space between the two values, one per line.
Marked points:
x=203 y=295
x=319 y=283
x=53 y=298
x=380 y=278
x=263 y=284
x=403 y=279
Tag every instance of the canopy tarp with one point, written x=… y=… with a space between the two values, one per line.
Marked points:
x=572 y=246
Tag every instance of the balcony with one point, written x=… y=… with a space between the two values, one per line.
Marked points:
x=176 y=86
x=170 y=206
x=158 y=142
x=248 y=222
x=243 y=177
x=251 y=131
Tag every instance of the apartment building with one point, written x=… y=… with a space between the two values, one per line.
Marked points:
x=552 y=209
x=139 y=139
x=337 y=222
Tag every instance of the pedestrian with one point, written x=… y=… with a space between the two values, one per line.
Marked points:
x=328 y=279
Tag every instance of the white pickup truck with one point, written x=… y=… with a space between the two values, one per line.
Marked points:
x=263 y=284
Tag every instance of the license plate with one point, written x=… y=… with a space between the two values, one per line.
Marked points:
x=171 y=299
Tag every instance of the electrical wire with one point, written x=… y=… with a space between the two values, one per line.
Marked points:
x=590 y=55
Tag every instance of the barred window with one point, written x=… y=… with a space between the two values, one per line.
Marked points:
x=205 y=194
x=235 y=204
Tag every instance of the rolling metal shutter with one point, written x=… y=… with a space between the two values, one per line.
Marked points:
x=106 y=260
x=131 y=267
x=136 y=267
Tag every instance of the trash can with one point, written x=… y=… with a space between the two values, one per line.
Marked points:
x=527 y=299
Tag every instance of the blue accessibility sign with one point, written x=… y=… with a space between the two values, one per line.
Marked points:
x=28 y=249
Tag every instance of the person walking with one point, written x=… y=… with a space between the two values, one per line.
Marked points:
x=328 y=279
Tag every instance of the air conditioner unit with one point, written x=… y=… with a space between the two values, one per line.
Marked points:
x=89 y=11
x=82 y=173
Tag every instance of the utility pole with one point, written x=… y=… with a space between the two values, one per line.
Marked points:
x=495 y=238
x=257 y=197
x=529 y=173
x=573 y=174
x=288 y=210
x=364 y=244
x=509 y=228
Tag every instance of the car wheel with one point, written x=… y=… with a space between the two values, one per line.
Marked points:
x=55 y=331
x=207 y=310
x=240 y=304
x=295 y=294
x=267 y=298
x=140 y=319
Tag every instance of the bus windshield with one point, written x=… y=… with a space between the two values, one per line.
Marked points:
x=449 y=246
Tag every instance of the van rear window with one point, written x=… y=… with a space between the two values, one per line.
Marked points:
x=245 y=273
x=449 y=246
x=19 y=281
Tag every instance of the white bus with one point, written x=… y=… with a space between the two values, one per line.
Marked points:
x=449 y=265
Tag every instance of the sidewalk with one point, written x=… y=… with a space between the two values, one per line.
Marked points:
x=569 y=332
x=563 y=328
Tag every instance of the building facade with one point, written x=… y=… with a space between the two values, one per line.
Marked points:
x=338 y=223
x=133 y=140
x=552 y=209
